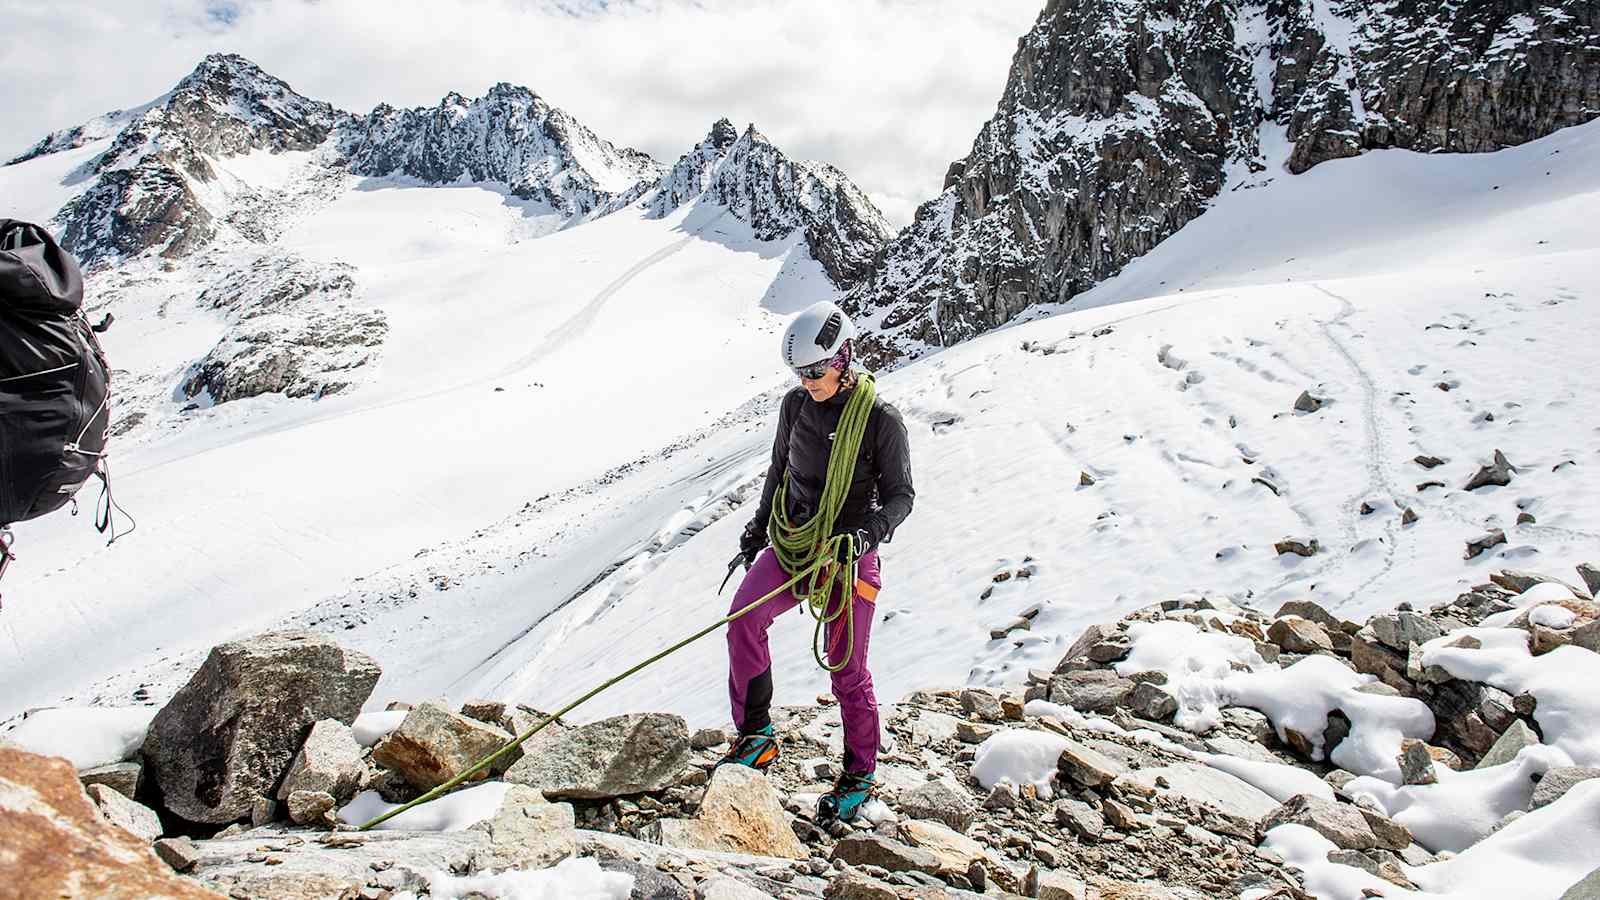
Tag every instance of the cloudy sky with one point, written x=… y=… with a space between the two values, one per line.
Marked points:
x=888 y=90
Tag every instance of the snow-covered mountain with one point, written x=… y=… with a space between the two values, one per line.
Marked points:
x=756 y=182
x=1122 y=120
x=511 y=136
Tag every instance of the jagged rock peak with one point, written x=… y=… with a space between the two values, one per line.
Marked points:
x=510 y=135
x=1121 y=120
x=759 y=184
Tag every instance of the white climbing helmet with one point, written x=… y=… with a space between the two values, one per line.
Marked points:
x=816 y=335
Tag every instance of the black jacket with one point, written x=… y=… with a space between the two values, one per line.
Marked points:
x=880 y=494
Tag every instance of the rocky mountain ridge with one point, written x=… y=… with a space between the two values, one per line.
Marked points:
x=1094 y=780
x=1121 y=120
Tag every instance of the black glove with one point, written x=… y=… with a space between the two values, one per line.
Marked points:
x=752 y=540
x=863 y=540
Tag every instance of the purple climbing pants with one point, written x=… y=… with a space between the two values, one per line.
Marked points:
x=750 y=661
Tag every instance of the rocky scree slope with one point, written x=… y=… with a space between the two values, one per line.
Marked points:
x=1121 y=119
x=1120 y=773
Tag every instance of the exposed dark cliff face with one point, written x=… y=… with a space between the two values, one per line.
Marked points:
x=1121 y=118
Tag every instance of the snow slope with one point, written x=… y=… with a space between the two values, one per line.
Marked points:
x=640 y=334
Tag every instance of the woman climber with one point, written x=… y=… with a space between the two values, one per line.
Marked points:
x=838 y=486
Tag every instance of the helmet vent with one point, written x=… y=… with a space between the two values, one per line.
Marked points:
x=830 y=331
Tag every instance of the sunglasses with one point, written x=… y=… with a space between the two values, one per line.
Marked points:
x=813 y=371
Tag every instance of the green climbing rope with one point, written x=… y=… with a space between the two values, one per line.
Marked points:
x=805 y=552
x=805 y=548
x=517 y=741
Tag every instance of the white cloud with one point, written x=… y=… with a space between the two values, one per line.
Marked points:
x=888 y=90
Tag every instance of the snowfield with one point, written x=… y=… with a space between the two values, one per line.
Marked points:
x=525 y=543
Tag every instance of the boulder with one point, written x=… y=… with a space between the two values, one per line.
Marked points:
x=1399 y=630
x=940 y=801
x=329 y=761
x=1087 y=766
x=273 y=863
x=529 y=832
x=231 y=733
x=1516 y=581
x=740 y=813
x=1054 y=885
x=1308 y=403
x=1153 y=702
x=1206 y=787
x=1518 y=736
x=1092 y=635
x=1556 y=782
x=311 y=807
x=1091 y=690
x=1297 y=635
x=1416 y=763
x=628 y=754
x=1338 y=822
x=955 y=852
x=1591 y=578
x=853 y=885
x=981 y=705
x=1306 y=609
x=1079 y=818
x=1299 y=546
x=866 y=848
x=433 y=745
x=135 y=818
x=724 y=887
x=1391 y=835
x=706 y=738
x=1587 y=637
x=1481 y=544
x=69 y=848
x=1497 y=472
x=180 y=853
x=122 y=777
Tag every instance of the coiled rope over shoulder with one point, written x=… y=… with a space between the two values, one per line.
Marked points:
x=807 y=547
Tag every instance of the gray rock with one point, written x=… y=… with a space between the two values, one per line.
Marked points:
x=1114 y=648
x=263 y=812
x=1092 y=635
x=180 y=853
x=1587 y=888
x=1516 y=581
x=1088 y=766
x=433 y=745
x=740 y=813
x=981 y=705
x=973 y=733
x=1416 y=765
x=1556 y=782
x=1120 y=817
x=1399 y=630
x=1093 y=690
x=1338 y=822
x=135 y=818
x=1587 y=636
x=230 y=734
x=122 y=777
x=1080 y=818
x=1306 y=609
x=706 y=738
x=723 y=887
x=1296 y=635
x=1518 y=736
x=1204 y=786
x=1307 y=403
x=329 y=761
x=528 y=832
x=1591 y=578
x=614 y=757
x=940 y=801
x=1055 y=885
x=1152 y=702
x=870 y=849
x=853 y=885
x=649 y=882
x=1496 y=473
x=265 y=863
x=1391 y=835
x=310 y=807
x=1481 y=544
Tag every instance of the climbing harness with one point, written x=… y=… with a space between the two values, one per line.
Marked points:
x=809 y=553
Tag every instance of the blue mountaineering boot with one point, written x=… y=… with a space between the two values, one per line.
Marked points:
x=757 y=750
x=843 y=803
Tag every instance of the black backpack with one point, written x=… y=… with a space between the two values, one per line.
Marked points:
x=55 y=394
